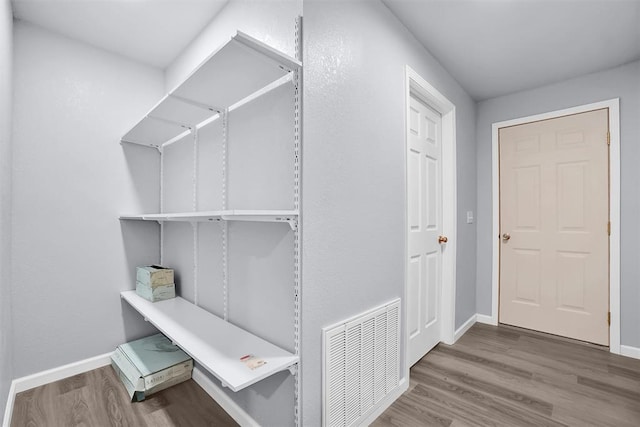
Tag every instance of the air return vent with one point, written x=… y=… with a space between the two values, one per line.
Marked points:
x=361 y=364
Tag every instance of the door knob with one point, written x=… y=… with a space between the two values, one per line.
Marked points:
x=506 y=237
x=442 y=239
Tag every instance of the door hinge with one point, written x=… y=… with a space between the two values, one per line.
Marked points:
x=609 y=228
x=608 y=138
x=609 y=318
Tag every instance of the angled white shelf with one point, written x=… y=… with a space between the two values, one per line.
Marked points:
x=178 y=216
x=215 y=344
x=239 y=69
x=288 y=216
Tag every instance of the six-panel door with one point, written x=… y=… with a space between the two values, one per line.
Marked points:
x=554 y=213
x=424 y=185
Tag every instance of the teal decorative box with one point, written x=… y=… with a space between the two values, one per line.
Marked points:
x=156 y=293
x=154 y=275
x=150 y=364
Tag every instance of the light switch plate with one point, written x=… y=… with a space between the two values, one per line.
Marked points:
x=469 y=217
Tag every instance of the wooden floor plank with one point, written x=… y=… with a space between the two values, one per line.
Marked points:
x=488 y=363
x=507 y=376
x=509 y=402
x=562 y=390
x=407 y=412
x=97 y=398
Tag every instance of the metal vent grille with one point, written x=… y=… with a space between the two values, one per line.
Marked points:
x=361 y=364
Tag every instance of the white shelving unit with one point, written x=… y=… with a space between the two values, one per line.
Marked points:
x=232 y=75
x=239 y=72
x=215 y=344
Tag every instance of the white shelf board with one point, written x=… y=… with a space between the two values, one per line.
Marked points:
x=178 y=216
x=240 y=68
x=152 y=132
x=261 y=215
x=289 y=216
x=213 y=343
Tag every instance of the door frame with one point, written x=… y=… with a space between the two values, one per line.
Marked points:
x=614 y=205
x=415 y=84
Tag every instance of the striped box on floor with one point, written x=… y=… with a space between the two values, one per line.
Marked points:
x=150 y=364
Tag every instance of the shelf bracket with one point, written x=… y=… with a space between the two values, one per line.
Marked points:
x=211 y=108
x=171 y=122
x=144 y=144
x=293 y=369
x=293 y=223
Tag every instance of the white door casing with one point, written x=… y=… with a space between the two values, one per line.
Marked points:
x=554 y=211
x=614 y=214
x=424 y=184
x=416 y=86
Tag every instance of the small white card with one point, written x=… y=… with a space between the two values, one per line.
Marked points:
x=252 y=362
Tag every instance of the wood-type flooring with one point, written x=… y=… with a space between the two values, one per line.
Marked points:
x=97 y=398
x=507 y=376
x=493 y=376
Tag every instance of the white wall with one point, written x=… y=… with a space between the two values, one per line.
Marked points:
x=6 y=69
x=353 y=170
x=622 y=82
x=72 y=179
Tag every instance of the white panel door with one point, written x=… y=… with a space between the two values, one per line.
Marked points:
x=424 y=221
x=554 y=213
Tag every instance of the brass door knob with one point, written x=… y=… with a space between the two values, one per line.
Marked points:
x=442 y=239
x=506 y=237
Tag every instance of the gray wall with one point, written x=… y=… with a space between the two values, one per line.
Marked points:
x=6 y=68
x=621 y=82
x=71 y=180
x=353 y=170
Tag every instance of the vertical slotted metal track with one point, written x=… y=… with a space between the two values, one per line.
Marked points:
x=161 y=151
x=194 y=225
x=224 y=228
x=297 y=80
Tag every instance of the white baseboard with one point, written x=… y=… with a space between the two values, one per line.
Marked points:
x=627 y=350
x=487 y=320
x=386 y=402
x=8 y=410
x=225 y=402
x=61 y=372
x=51 y=375
x=465 y=327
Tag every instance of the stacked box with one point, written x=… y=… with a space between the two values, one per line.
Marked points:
x=150 y=364
x=155 y=283
x=154 y=275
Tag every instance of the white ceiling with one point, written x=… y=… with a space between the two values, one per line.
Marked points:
x=496 y=47
x=491 y=47
x=149 y=31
